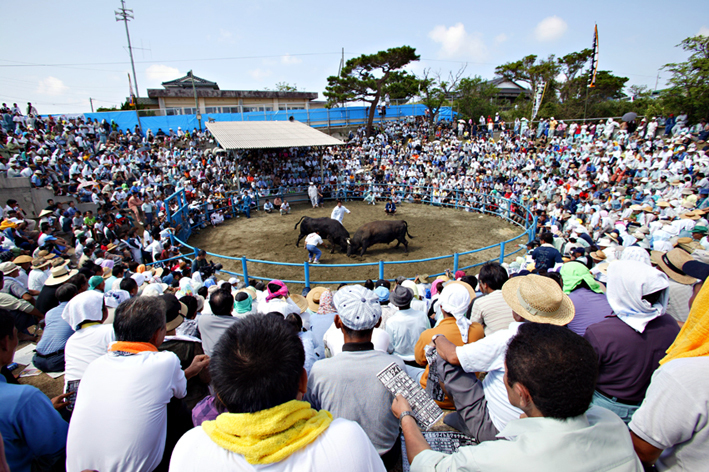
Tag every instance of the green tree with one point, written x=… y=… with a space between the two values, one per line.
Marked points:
x=689 y=85
x=571 y=66
x=532 y=72
x=284 y=87
x=474 y=97
x=436 y=91
x=369 y=77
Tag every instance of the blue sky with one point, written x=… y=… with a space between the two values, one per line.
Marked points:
x=253 y=45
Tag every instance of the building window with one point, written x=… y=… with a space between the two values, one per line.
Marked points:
x=173 y=111
x=291 y=106
x=212 y=110
x=189 y=111
x=230 y=109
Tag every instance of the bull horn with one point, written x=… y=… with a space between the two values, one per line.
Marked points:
x=348 y=241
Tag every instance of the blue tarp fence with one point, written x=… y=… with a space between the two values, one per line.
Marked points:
x=317 y=118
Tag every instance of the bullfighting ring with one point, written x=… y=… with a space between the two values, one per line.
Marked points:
x=436 y=232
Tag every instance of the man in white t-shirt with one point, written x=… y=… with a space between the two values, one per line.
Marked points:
x=263 y=384
x=120 y=419
x=339 y=212
x=311 y=245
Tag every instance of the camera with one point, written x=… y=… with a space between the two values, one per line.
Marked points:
x=209 y=270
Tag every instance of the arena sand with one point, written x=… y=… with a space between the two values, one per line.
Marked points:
x=436 y=231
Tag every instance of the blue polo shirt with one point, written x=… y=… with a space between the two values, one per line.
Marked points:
x=30 y=426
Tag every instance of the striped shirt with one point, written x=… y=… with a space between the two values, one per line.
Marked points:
x=492 y=311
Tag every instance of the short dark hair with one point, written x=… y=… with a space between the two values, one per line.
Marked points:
x=128 y=284
x=546 y=237
x=7 y=324
x=138 y=318
x=191 y=304
x=470 y=280
x=78 y=280
x=556 y=365
x=66 y=292
x=201 y=252
x=493 y=275
x=382 y=283
x=118 y=270
x=257 y=364
x=222 y=303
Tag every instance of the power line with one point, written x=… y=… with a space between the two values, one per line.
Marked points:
x=236 y=58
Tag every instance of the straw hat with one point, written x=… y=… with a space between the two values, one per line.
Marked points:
x=467 y=287
x=22 y=259
x=58 y=262
x=45 y=213
x=422 y=278
x=313 y=298
x=663 y=204
x=603 y=268
x=300 y=301
x=250 y=290
x=598 y=256
x=107 y=272
x=39 y=263
x=538 y=299
x=46 y=254
x=111 y=247
x=689 y=216
x=671 y=264
x=60 y=275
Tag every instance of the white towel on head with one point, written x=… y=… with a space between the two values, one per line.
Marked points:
x=455 y=300
x=86 y=306
x=628 y=282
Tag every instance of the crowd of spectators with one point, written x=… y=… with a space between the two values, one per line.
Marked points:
x=593 y=345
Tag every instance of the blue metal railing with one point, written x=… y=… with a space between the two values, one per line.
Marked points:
x=490 y=203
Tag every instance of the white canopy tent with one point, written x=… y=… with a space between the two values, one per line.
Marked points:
x=235 y=135
x=240 y=135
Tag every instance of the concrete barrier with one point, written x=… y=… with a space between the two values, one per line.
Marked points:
x=33 y=200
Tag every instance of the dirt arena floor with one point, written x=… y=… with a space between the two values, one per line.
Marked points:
x=436 y=232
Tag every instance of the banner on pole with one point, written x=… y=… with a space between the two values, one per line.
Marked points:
x=594 y=58
x=130 y=92
x=538 y=95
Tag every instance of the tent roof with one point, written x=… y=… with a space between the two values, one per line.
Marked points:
x=268 y=134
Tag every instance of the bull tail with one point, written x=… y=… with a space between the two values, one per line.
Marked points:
x=296 y=225
x=407 y=230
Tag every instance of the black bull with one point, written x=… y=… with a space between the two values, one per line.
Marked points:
x=379 y=232
x=329 y=229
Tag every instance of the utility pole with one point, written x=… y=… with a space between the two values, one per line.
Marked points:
x=657 y=80
x=91 y=101
x=342 y=63
x=125 y=15
x=196 y=103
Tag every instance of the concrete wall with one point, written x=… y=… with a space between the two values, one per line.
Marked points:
x=33 y=200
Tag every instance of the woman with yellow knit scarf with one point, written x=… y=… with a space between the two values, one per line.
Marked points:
x=671 y=428
x=259 y=381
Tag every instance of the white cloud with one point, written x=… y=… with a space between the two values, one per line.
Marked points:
x=51 y=86
x=550 y=29
x=225 y=36
x=259 y=74
x=703 y=31
x=500 y=38
x=288 y=59
x=457 y=43
x=162 y=73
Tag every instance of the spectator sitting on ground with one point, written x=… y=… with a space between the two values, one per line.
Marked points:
x=669 y=431
x=268 y=206
x=49 y=353
x=483 y=409
x=285 y=207
x=390 y=208
x=331 y=380
x=557 y=431
x=259 y=380
x=121 y=415
x=454 y=301
x=212 y=326
x=491 y=310
x=33 y=433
